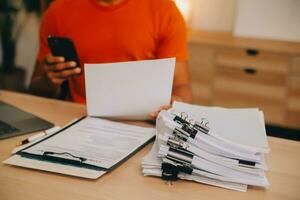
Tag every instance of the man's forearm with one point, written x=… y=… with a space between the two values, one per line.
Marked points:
x=182 y=93
x=41 y=85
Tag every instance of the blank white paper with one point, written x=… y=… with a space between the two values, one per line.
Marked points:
x=128 y=90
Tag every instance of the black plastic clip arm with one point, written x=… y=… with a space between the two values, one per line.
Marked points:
x=170 y=170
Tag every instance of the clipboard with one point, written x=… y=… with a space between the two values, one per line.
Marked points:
x=72 y=164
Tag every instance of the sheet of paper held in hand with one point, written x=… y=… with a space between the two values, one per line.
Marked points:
x=128 y=90
x=103 y=143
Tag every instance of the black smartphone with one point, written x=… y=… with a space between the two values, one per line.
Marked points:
x=62 y=46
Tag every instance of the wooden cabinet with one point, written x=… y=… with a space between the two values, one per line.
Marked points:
x=293 y=101
x=296 y=66
x=239 y=72
x=202 y=75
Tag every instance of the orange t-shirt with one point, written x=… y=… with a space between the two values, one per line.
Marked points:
x=131 y=30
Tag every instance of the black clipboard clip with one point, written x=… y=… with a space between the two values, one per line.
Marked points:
x=47 y=155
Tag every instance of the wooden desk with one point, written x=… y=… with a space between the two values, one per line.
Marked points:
x=127 y=181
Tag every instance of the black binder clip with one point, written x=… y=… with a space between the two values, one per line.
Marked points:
x=171 y=169
x=186 y=158
x=169 y=172
x=185 y=132
x=176 y=143
x=189 y=129
x=181 y=134
x=202 y=126
x=182 y=119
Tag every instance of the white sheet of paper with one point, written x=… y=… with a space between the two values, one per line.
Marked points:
x=128 y=90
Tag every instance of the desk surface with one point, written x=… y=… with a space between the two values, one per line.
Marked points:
x=127 y=181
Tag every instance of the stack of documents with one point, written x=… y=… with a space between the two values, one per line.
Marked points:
x=212 y=145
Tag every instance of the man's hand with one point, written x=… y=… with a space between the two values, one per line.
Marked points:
x=181 y=88
x=153 y=115
x=57 y=70
x=49 y=74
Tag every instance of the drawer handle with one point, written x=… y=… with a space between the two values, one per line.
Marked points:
x=250 y=71
x=252 y=52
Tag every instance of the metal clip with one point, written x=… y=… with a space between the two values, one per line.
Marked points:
x=202 y=126
x=181 y=134
x=182 y=119
x=190 y=129
x=171 y=169
x=176 y=143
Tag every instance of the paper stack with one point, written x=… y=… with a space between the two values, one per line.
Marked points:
x=211 y=145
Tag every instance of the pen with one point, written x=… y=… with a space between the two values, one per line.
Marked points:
x=42 y=134
x=32 y=138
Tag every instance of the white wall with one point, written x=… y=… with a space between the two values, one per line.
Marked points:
x=271 y=19
x=213 y=15
x=184 y=7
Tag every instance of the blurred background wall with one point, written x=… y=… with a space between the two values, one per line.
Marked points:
x=241 y=17
x=19 y=26
x=212 y=15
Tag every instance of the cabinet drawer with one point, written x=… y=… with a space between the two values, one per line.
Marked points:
x=293 y=101
x=296 y=65
x=235 y=88
x=201 y=63
x=201 y=93
x=274 y=112
x=201 y=72
x=252 y=59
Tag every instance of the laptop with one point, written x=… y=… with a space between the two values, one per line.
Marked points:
x=14 y=121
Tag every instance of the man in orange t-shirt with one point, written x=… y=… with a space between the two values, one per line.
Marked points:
x=110 y=31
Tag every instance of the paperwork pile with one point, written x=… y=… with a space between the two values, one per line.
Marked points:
x=211 y=145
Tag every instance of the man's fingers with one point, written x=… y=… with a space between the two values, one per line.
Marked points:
x=65 y=74
x=50 y=59
x=153 y=115
x=58 y=70
x=164 y=107
x=61 y=66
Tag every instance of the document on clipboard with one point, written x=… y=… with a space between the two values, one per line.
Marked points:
x=92 y=144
